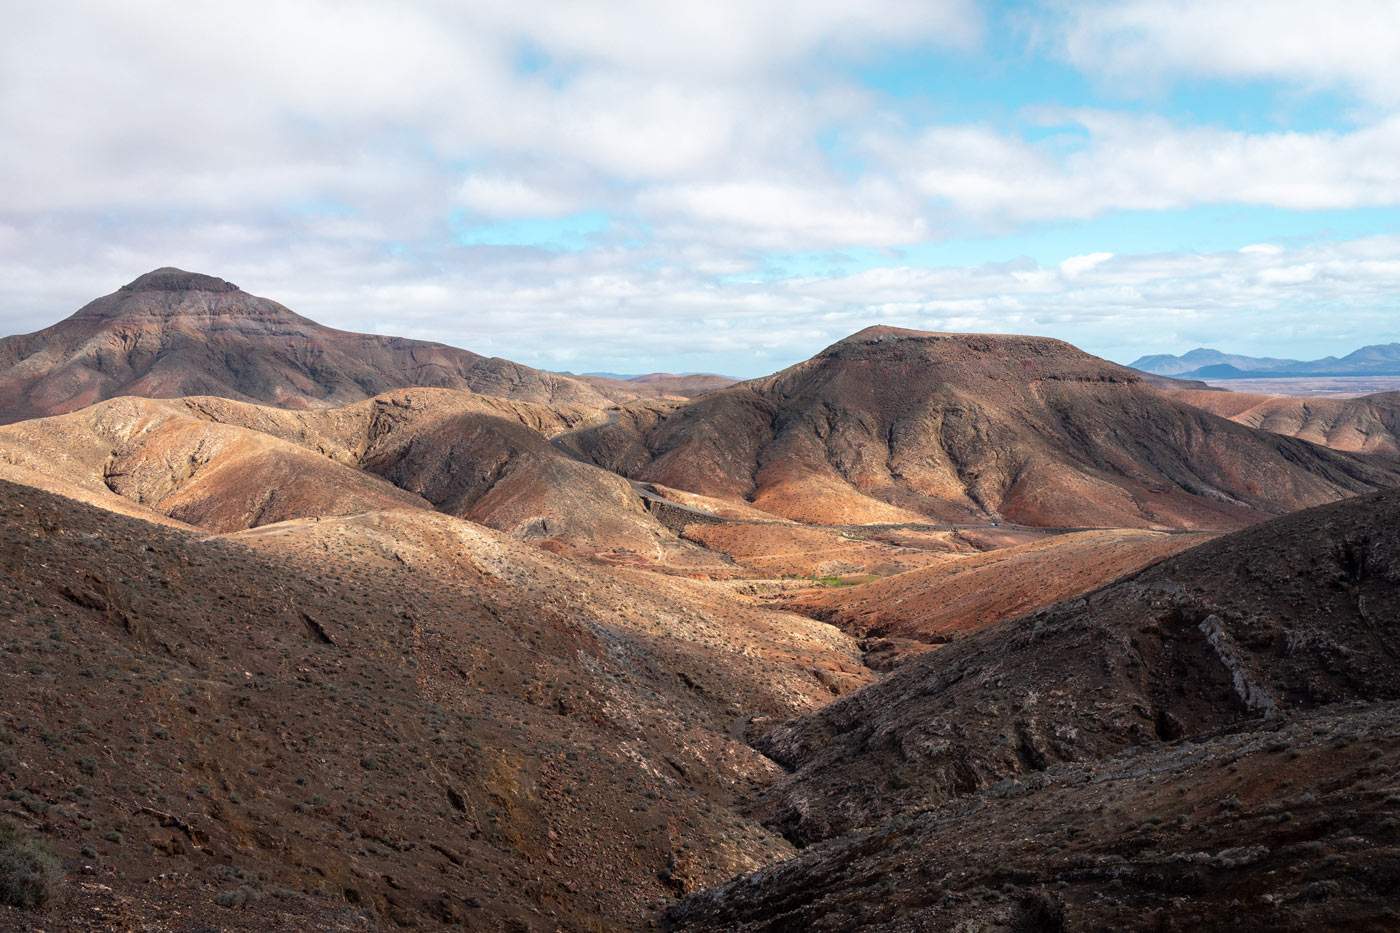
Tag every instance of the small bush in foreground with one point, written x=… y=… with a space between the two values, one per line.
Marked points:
x=29 y=872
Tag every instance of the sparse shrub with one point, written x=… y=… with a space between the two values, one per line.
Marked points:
x=29 y=872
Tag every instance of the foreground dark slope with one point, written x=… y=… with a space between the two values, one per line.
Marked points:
x=1292 y=827
x=172 y=333
x=1291 y=615
x=395 y=718
x=1210 y=743
x=892 y=425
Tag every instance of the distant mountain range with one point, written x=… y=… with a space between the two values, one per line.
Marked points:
x=1201 y=363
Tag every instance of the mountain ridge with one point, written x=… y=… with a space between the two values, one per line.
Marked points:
x=1203 y=363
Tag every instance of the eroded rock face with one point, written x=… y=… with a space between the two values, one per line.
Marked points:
x=893 y=426
x=1211 y=739
x=173 y=333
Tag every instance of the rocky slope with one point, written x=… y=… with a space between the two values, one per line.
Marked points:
x=1293 y=827
x=225 y=465
x=895 y=426
x=395 y=718
x=172 y=333
x=1292 y=615
x=957 y=594
x=154 y=459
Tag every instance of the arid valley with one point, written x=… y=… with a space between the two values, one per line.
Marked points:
x=307 y=629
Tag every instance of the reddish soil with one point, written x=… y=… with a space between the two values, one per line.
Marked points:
x=957 y=594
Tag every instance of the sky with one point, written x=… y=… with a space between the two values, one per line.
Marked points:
x=726 y=186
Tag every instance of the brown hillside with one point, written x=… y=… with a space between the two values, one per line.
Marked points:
x=155 y=456
x=173 y=333
x=892 y=425
x=1369 y=424
x=1297 y=613
x=1295 y=827
x=957 y=594
x=225 y=465
x=389 y=719
x=657 y=385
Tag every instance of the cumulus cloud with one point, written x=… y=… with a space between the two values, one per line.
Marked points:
x=1075 y=266
x=501 y=197
x=325 y=153
x=1353 y=45
x=611 y=308
x=1116 y=161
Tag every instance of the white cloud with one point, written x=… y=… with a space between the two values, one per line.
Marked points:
x=316 y=151
x=504 y=197
x=777 y=215
x=622 y=309
x=1075 y=266
x=1354 y=44
x=1115 y=161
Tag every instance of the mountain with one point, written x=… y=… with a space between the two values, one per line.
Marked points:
x=1367 y=424
x=900 y=426
x=1188 y=363
x=172 y=333
x=1216 y=733
x=1375 y=360
x=655 y=385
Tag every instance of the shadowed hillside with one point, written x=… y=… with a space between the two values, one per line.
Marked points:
x=398 y=718
x=1294 y=614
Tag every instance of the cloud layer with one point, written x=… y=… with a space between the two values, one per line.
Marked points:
x=588 y=184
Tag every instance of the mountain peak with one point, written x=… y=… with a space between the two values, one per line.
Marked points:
x=880 y=339
x=170 y=279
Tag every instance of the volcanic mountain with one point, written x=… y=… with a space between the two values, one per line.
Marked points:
x=172 y=333
x=894 y=426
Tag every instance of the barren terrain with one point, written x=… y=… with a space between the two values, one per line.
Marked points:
x=313 y=630
x=892 y=426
